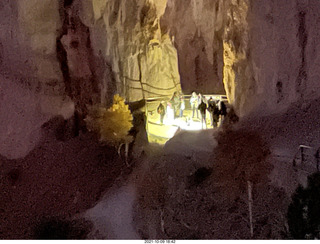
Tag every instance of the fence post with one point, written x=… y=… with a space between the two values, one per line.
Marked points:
x=250 y=206
x=302 y=155
x=317 y=156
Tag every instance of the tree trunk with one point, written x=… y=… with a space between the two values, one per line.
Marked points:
x=126 y=144
x=250 y=206
x=127 y=153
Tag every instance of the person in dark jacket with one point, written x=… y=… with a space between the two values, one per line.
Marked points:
x=161 y=110
x=175 y=102
x=203 y=107
x=216 y=113
x=211 y=107
x=223 y=111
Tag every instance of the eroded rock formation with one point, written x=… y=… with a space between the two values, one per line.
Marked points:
x=270 y=54
x=264 y=55
x=143 y=58
x=197 y=28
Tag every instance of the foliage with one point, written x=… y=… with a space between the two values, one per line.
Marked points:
x=304 y=210
x=240 y=157
x=112 y=124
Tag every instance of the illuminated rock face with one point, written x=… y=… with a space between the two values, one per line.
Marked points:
x=237 y=68
x=127 y=34
x=271 y=54
x=263 y=54
x=86 y=49
x=268 y=50
x=197 y=28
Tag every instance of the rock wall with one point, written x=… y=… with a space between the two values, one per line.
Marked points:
x=270 y=54
x=237 y=74
x=31 y=84
x=28 y=58
x=128 y=36
x=264 y=55
x=68 y=54
x=28 y=41
x=196 y=28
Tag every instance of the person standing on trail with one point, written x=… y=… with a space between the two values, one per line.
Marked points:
x=202 y=98
x=175 y=102
x=211 y=108
x=216 y=113
x=199 y=99
x=161 y=110
x=203 y=107
x=194 y=104
x=169 y=112
x=182 y=106
x=223 y=111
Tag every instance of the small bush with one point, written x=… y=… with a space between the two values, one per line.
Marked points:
x=112 y=124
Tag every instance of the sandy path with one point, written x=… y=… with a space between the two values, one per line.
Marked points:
x=112 y=216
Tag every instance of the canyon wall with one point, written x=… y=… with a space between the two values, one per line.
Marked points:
x=127 y=35
x=28 y=43
x=157 y=47
x=89 y=50
x=263 y=55
x=196 y=28
x=66 y=55
x=271 y=54
x=264 y=52
x=31 y=82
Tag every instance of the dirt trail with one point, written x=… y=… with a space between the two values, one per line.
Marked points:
x=112 y=216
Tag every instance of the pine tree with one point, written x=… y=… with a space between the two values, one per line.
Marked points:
x=304 y=210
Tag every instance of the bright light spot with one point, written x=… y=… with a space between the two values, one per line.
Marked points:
x=161 y=133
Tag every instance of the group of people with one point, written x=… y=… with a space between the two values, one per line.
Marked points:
x=176 y=105
x=215 y=109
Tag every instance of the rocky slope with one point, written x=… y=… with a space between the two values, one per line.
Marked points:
x=43 y=193
x=197 y=187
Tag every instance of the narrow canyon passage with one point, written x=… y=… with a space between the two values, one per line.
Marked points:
x=86 y=147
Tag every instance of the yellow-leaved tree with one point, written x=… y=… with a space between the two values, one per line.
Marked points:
x=112 y=124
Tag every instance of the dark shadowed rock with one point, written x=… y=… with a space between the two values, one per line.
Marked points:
x=59 y=229
x=199 y=176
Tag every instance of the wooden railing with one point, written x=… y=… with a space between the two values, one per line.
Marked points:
x=307 y=154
